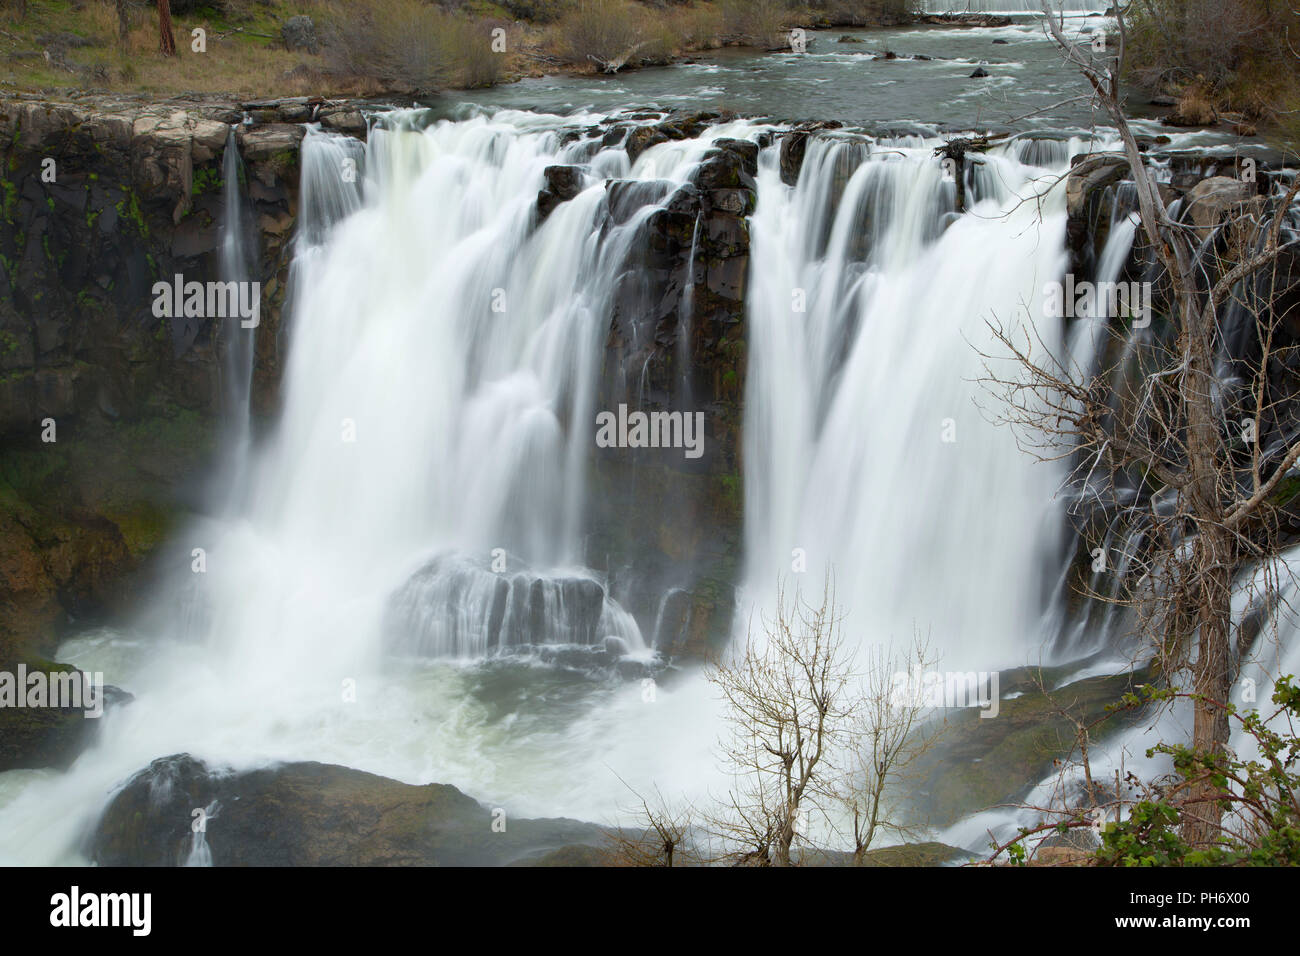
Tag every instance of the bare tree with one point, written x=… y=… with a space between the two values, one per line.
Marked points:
x=167 y=39
x=1212 y=506
x=888 y=732
x=788 y=708
x=661 y=838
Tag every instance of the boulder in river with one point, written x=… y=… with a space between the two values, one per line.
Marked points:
x=1211 y=201
x=311 y=814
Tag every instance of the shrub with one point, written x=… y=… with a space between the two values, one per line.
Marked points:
x=409 y=46
x=606 y=32
x=761 y=22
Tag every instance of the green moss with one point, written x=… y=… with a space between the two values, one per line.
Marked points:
x=206 y=180
x=8 y=200
x=1286 y=491
x=128 y=210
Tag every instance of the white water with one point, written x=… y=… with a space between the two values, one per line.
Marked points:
x=239 y=341
x=417 y=422
x=864 y=445
x=1014 y=7
x=1274 y=652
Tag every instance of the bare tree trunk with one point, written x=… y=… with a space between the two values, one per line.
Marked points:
x=123 y=21
x=1212 y=564
x=167 y=39
x=1200 y=591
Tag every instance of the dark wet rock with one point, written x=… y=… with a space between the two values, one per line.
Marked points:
x=747 y=151
x=38 y=737
x=641 y=138
x=562 y=184
x=312 y=814
x=1091 y=191
x=979 y=74
x=138 y=196
x=794 y=145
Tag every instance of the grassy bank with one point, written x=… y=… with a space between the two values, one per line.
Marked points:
x=1220 y=59
x=371 y=47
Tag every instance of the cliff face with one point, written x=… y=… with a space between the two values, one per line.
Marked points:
x=106 y=411
x=104 y=198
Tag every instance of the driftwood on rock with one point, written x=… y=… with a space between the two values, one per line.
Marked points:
x=616 y=64
x=956 y=150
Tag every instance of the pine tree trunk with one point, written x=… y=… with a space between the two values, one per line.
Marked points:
x=167 y=39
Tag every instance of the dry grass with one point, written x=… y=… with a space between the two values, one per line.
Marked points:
x=1237 y=54
x=763 y=23
x=236 y=64
x=1195 y=108
x=375 y=46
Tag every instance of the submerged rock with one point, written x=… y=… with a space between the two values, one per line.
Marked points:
x=456 y=606
x=311 y=814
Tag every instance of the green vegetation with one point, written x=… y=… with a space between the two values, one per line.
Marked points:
x=1262 y=826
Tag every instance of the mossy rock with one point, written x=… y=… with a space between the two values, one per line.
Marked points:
x=982 y=762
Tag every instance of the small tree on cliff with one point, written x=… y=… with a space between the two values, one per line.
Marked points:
x=1215 y=501
x=788 y=707
x=167 y=39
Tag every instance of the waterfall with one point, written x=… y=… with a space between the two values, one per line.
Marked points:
x=866 y=454
x=429 y=461
x=235 y=258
